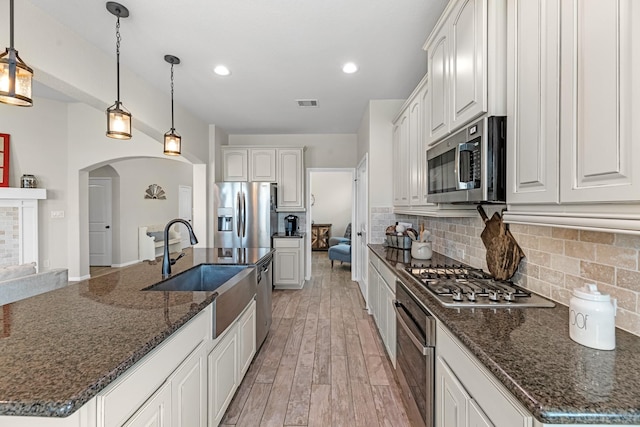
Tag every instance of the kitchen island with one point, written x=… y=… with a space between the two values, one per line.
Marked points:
x=60 y=349
x=529 y=352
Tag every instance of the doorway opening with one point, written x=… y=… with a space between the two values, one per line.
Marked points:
x=330 y=209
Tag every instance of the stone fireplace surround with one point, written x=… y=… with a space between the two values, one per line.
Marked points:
x=19 y=225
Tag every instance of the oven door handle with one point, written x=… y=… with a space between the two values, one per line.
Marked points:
x=424 y=350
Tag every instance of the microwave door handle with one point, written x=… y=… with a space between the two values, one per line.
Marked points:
x=456 y=168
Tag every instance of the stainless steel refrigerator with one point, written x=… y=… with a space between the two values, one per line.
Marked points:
x=244 y=214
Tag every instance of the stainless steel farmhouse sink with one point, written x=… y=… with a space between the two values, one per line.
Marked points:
x=234 y=286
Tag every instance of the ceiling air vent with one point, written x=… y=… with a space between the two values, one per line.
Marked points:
x=307 y=102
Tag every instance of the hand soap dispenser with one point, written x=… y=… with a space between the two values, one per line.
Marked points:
x=592 y=318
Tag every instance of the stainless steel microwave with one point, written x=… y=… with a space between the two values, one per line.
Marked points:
x=469 y=165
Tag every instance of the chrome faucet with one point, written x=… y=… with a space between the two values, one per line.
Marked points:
x=166 y=261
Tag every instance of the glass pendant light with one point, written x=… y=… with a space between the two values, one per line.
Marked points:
x=118 y=118
x=15 y=75
x=172 y=140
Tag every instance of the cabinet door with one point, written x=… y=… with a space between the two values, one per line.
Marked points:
x=372 y=289
x=468 y=79
x=438 y=57
x=600 y=101
x=424 y=144
x=234 y=164
x=189 y=391
x=451 y=398
x=156 y=412
x=533 y=101
x=390 y=318
x=262 y=165
x=288 y=262
x=414 y=149
x=395 y=164
x=223 y=375
x=401 y=163
x=477 y=418
x=290 y=179
x=247 y=338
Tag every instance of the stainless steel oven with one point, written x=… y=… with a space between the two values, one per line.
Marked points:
x=469 y=166
x=415 y=356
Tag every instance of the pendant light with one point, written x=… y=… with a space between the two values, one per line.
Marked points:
x=118 y=118
x=172 y=140
x=15 y=75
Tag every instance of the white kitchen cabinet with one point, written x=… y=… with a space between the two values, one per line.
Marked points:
x=262 y=165
x=466 y=65
x=189 y=390
x=380 y=296
x=600 y=99
x=235 y=164
x=226 y=363
x=467 y=394
x=400 y=161
x=533 y=101
x=288 y=262
x=573 y=106
x=414 y=151
x=290 y=167
x=156 y=412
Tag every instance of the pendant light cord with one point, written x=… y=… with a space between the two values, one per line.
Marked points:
x=118 y=38
x=11 y=24
x=172 y=127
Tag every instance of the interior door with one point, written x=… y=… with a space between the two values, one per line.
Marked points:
x=100 y=250
x=185 y=211
x=362 y=224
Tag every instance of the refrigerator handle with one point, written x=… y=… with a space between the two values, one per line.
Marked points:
x=244 y=215
x=238 y=211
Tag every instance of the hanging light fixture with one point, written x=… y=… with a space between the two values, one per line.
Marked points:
x=118 y=118
x=15 y=75
x=172 y=140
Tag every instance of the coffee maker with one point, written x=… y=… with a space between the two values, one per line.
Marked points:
x=290 y=225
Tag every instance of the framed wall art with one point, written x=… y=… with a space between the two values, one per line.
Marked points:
x=4 y=159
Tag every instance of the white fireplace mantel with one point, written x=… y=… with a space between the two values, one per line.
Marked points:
x=26 y=201
x=12 y=193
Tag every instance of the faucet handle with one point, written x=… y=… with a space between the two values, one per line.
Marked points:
x=173 y=261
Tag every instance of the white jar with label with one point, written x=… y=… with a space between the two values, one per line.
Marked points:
x=592 y=318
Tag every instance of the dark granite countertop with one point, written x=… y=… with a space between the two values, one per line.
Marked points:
x=529 y=351
x=60 y=348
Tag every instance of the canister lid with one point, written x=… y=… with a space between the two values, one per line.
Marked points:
x=590 y=292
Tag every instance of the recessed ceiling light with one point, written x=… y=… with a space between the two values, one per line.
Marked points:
x=221 y=70
x=349 y=68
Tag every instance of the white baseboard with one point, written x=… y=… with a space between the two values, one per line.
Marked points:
x=126 y=264
x=79 y=279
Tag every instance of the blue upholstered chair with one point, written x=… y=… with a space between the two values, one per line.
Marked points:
x=340 y=247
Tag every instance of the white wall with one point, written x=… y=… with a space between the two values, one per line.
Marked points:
x=322 y=150
x=333 y=199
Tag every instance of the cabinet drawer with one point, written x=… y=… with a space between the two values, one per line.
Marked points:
x=287 y=243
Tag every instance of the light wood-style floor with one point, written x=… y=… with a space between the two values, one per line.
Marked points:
x=323 y=362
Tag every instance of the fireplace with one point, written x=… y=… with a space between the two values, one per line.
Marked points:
x=19 y=225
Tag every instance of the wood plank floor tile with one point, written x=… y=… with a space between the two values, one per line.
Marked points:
x=270 y=364
x=252 y=411
x=367 y=340
x=363 y=405
x=389 y=414
x=276 y=408
x=375 y=369
x=322 y=362
x=300 y=396
x=355 y=360
x=341 y=402
x=320 y=408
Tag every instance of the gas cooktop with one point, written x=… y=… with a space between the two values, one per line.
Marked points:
x=462 y=286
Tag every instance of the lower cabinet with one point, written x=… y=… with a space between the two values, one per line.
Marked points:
x=229 y=361
x=189 y=390
x=155 y=412
x=467 y=394
x=380 y=296
x=288 y=262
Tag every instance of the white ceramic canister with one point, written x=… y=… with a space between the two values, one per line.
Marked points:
x=592 y=318
x=421 y=250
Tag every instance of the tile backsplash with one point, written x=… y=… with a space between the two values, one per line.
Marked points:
x=557 y=260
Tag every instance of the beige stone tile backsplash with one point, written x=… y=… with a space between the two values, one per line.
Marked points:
x=557 y=260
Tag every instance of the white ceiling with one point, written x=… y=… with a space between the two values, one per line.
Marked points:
x=278 y=51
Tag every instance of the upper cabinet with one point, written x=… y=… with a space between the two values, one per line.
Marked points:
x=466 y=66
x=262 y=165
x=235 y=164
x=400 y=161
x=572 y=136
x=290 y=179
